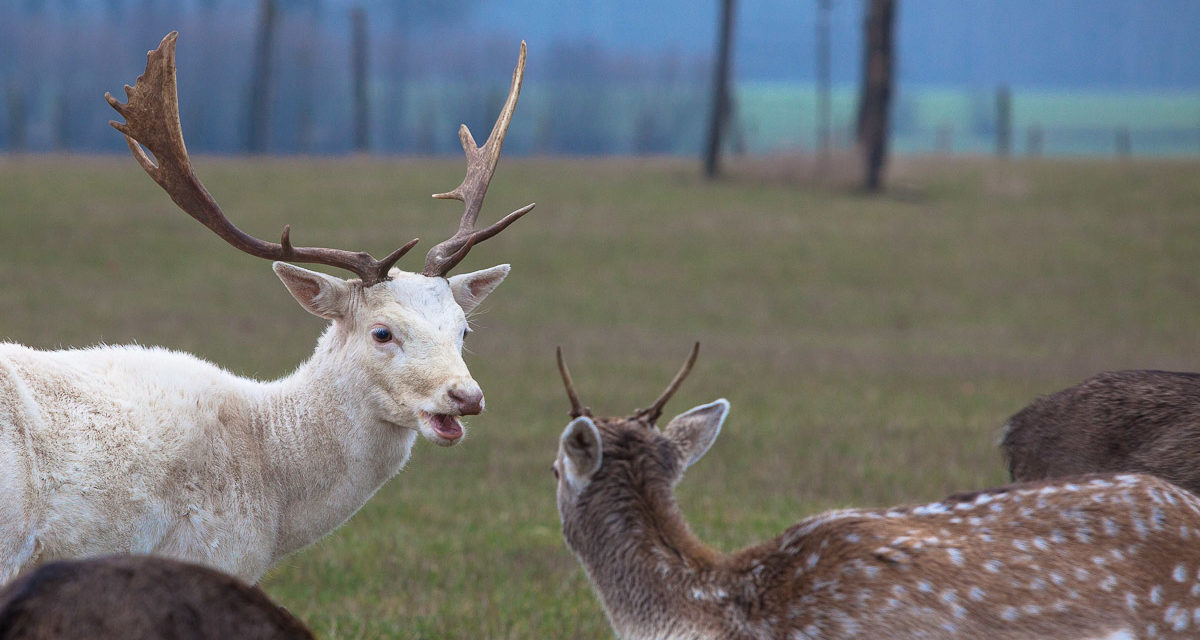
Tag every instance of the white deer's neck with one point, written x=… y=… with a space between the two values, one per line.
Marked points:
x=326 y=447
x=647 y=566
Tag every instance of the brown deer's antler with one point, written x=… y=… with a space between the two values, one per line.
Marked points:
x=481 y=164
x=650 y=414
x=152 y=120
x=577 y=408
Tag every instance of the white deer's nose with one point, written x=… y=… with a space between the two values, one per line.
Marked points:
x=466 y=396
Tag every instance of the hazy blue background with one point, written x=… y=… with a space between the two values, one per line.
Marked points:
x=610 y=77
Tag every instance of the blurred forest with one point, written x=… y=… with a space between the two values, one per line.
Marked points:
x=604 y=77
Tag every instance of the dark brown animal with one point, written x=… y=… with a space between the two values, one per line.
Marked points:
x=139 y=597
x=1119 y=421
x=1101 y=557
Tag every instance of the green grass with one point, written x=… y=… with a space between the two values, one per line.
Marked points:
x=872 y=348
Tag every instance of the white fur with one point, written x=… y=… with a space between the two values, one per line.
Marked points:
x=144 y=450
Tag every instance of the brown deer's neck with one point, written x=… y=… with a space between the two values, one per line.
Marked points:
x=642 y=558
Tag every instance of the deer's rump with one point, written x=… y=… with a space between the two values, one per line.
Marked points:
x=132 y=597
x=1119 y=421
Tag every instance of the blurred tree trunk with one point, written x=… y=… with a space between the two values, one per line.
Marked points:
x=876 y=93
x=1003 y=121
x=17 y=124
x=720 y=99
x=61 y=117
x=306 y=54
x=358 y=63
x=260 y=81
x=823 y=83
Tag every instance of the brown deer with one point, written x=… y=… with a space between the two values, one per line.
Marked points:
x=125 y=449
x=1117 y=421
x=139 y=598
x=1100 y=556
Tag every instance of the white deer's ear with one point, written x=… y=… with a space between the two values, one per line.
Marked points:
x=695 y=430
x=471 y=288
x=580 y=445
x=319 y=294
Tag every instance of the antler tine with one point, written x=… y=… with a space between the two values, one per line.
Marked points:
x=651 y=414
x=481 y=164
x=151 y=113
x=577 y=408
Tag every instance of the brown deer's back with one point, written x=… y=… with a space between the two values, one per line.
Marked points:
x=1087 y=558
x=1120 y=421
x=139 y=597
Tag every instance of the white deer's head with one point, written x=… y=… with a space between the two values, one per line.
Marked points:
x=403 y=338
x=398 y=334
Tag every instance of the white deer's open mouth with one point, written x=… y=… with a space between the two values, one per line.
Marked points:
x=448 y=429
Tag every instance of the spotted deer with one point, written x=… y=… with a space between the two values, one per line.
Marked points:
x=126 y=449
x=1100 y=557
x=139 y=598
x=1117 y=421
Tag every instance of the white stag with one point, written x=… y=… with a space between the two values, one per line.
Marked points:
x=124 y=449
x=1101 y=557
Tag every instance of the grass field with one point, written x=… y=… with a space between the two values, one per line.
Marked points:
x=872 y=348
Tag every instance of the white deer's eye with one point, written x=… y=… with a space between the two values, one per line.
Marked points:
x=381 y=334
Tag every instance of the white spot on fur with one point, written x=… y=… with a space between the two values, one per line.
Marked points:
x=930 y=509
x=1176 y=617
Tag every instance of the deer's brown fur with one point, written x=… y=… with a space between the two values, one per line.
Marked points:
x=139 y=597
x=1119 y=421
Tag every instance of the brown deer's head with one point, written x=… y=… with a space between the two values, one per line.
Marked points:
x=585 y=441
x=601 y=462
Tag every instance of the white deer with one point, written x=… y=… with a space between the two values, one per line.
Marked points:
x=1112 y=557
x=124 y=449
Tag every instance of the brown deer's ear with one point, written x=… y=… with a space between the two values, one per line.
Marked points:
x=321 y=295
x=580 y=445
x=694 y=431
x=471 y=288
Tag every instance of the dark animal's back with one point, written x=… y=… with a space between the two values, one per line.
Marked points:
x=1143 y=421
x=139 y=597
